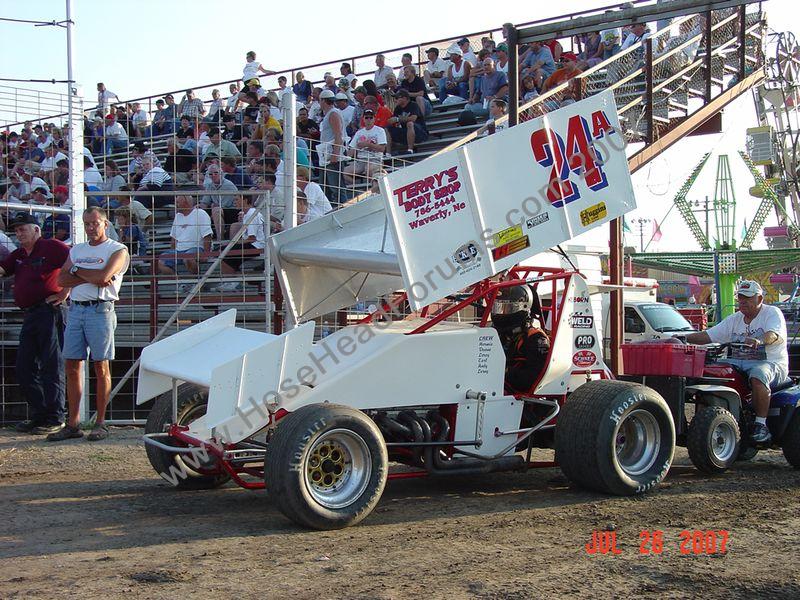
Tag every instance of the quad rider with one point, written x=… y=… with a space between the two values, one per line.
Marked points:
x=761 y=330
x=526 y=346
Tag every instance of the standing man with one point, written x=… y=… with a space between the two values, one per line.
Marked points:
x=761 y=329
x=35 y=265
x=94 y=272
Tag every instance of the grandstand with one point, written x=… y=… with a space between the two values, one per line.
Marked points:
x=691 y=66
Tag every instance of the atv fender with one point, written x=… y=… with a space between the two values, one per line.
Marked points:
x=716 y=395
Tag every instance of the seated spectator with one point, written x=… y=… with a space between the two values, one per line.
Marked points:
x=502 y=58
x=61 y=175
x=302 y=88
x=233 y=132
x=121 y=113
x=203 y=139
x=405 y=61
x=223 y=211
x=255 y=238
x=528 y=90
x=91 y=175
x=138 y=120
x=33 y=152
x=593 y=51
x=612 y=39
x=346 y=71
x=555 y=48
x=219 y=146
x=180 y=163
x=115 y=136
x=494 y=85
x=215 y=109
x=466 y=52
x=392 y=87
x=415 y=87
x=382 y=114
x=456 y=80
x=254 y=158
x=538 y=64
x=191 y=106
x=273 y=197
x=18 y=189
x=307 y=128
x=155 y=179
x=567 y=72
x=497 y=110
x=251 y=70
x=314 y=107
x=57 y=225
x=136 y=210
x=330 y=82
x=382 y=72
x=317 y=203
x=367 y=147
x=51 y=157
x=129 y=233
x=265 y=121
x=162 y=120
x=407 y=126
x=190 y=234
x=185 y=129
x=232 y=103
x=235 y=174
x=638 y=33
x=476 y=73
x=435 y=70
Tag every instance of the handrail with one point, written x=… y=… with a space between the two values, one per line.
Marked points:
x=292 y=70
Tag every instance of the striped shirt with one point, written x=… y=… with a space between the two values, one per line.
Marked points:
x=156 y=176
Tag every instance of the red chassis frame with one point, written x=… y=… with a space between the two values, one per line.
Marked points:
x=487 y=291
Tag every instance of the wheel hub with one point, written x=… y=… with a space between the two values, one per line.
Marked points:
x=338 y=468
x=637 y=442
x=723 y=442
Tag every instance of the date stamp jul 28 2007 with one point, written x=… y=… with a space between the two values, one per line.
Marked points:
x=690 y=541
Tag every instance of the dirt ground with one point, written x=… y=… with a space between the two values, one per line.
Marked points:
x=90 y=520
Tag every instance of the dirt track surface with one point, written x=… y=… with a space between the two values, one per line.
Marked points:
x=90 y=520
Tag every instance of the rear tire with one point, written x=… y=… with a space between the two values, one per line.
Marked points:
x=615 y=437
x=326 y=466
x=713 y=439
x=791 y=441
x=192 y=404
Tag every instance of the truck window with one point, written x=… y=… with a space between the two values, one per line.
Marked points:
x=633 y=322
x=663 y=317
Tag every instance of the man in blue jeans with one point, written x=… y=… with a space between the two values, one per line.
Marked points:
x=93 y=272
x=35 y=266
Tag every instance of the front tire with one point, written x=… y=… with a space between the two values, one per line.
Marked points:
x=615 y=437
x=174 y=468
x=326 y=466
x=713 y=439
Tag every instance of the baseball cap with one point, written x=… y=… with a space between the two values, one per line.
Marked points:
x=326 y=94
x=61 y=189
x=569 y=56
x=110 y=117
x=503 y=47
x=23 y=219
x=159 y=101
x=455 y=50
x=436 y=50
x=370 y=112
x=462 y=41
x=44 y=191
x=749 y=288
x=339 y=96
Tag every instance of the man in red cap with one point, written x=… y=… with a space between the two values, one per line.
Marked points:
x=569 y=69
x=40 y=374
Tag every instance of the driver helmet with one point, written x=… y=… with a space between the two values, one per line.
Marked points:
x=512 y=306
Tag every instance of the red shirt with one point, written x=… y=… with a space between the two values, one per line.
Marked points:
x=36 y=274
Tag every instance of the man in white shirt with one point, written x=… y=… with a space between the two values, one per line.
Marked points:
x=116 y=138
x=191 y=234
x=138 y=120
x=94 y=272
x=468 y=54
x=761 y=329
x=51 y=157
x=318 y=203
x=223 y=209
x=435 y=69
x=637 y=35
x=367 y=147
x=91 y=174
x=382 y=72
x=255 y=238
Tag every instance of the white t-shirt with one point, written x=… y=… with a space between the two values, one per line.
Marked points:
x=250 y=70
x=50 y=163
x=380 y=75
x=139 y=117
x=189 y=230
x=633 y=39
x=116 y=131
x=257 y=227
x=376 y=135
x=138 y=211
x=471 y=57
x=318 y=203
x=734 y=329
x=92 y=176
x=439 y=64
x=87 y=256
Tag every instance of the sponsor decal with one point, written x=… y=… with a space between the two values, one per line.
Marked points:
x=594 y=213
x=502 y=238
x=537 y=220
x=467 y=257
x=579 y=321
x=584 y=358
x=89 y=260
x=431 y=199
x=581 y=299
x=584 y=342
x=510 y=248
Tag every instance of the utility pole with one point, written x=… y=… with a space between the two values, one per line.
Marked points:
x=641 y=223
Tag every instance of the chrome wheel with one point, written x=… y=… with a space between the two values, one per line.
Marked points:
x=637 y=442
x=723 y=442
x=337 y=468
